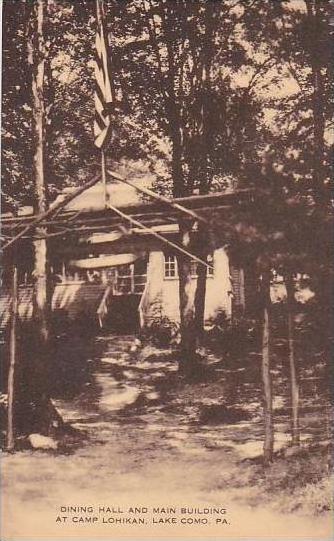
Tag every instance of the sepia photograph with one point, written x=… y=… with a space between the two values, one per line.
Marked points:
x=167 y=264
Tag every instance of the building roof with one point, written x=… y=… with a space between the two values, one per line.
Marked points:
x=78 y=222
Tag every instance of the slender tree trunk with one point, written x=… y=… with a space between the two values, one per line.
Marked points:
x=187 y=310
x=186 y=300
x=12 y=362
x=40 y=298
x=179 y=189
x=173 y=105
x=324 y=290
x=294 y=383
x=36 y=57
x=45 y=414
x=200 y=293
x=37 y=60
x=268 y=447
x=205 y=179
x=318 y=99
x=206 y=106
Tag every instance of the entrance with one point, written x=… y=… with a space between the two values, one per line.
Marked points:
x=123 y=316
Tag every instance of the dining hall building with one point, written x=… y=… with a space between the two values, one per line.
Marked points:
x=123 y=276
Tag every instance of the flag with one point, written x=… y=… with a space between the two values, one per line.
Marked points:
x=103 y=91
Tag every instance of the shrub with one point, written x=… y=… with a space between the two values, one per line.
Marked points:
x=231 y=337
x=162 y=331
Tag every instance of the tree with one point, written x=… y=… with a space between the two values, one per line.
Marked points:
x=294 y=379
x=179 y=72
x=16 y=108
x=268 y=446
x=44 y=411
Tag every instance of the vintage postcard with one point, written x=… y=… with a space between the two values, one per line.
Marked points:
x=167 y=270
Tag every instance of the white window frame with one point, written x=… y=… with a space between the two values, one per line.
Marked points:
x=170 y=267
x=171 y=270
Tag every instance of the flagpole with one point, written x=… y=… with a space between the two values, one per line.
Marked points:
x=99 y=15
x=104 y=177
x=99 y=8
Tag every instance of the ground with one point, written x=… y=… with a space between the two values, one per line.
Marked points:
x=153 y=438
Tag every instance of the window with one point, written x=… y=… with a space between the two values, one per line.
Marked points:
x=209 y=270
x=171 y=266
x=193 y=268
x=211 y=262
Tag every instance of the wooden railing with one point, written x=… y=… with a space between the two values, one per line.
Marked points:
x=102 y=310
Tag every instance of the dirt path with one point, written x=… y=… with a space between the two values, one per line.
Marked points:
x=144 y=449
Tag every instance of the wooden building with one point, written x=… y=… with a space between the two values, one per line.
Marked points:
x=116 y=271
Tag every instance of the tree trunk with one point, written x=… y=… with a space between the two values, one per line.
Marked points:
x=318 y=100
x=268 y=447
x=179 y=189
x=206 y=105
x=200 y=301
x=294 y=384
x=205 y=177
x=12 y=362
x=323 y=285
x=45 y=415
x=202 y=251
x=187 y=309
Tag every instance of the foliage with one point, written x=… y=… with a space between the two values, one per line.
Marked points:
x=234 y=337
x=210 y=95
x=161 y=331
x=243 y=70
x=227 y=89
x=301 y=482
